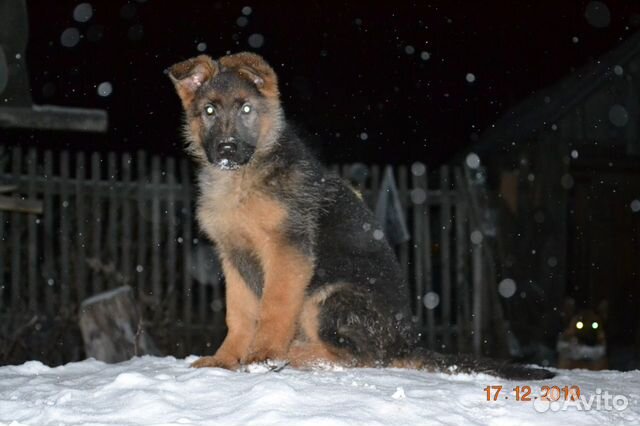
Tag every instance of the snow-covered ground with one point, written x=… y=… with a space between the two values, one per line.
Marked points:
x=164 y=391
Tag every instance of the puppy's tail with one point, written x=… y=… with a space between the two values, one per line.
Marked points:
x=423 y=359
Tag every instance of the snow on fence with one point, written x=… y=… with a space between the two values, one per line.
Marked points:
x=119 y=219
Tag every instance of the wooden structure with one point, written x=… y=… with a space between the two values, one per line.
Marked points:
x=127 y=220
x=16 y=110
x=564 y=186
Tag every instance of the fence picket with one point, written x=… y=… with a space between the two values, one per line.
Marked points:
x=155 y=231
x=478 y=299
x=126 y=235
x=418 y=182
x=187 y=281
x=462 y=286
x=32 y=248
x=445 y=253
x=428 y=269
x=96 y=225
x=170 y=214
x=81 y=285
x=65 y=212
x=143 y=215
x=16 y=237
x=51 y=278
x=111 y=226
x=403 y=248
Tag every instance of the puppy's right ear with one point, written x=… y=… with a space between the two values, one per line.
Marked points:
x=189 y=75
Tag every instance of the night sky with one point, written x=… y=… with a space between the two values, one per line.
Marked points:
x=394 y=82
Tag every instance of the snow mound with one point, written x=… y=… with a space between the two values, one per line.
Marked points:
x=165 y=391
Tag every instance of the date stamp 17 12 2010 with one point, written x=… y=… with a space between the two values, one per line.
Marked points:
x=525 y=393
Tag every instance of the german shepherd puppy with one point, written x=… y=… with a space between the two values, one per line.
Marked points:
x=309 y=275
x=583 y=343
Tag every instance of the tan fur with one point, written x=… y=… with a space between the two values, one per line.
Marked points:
x=287 y=274
x=255 y=69
x=242 y=316
x=190 y=74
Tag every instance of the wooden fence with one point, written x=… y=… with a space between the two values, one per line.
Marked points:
x=119 y=219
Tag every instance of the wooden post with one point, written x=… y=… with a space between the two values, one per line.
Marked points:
x=112 y=328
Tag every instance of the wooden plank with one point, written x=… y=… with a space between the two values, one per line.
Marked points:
x=171 y=266
x=50 y=277
x=126 y=255
x=13 y=204
x=418 y=183
x=32 y=235
x=16 y=236
x=143 y=238
x=428 y=269
x=156 y=279
x=112 y=219
x=65 y=234
x=403 y=248
x=187 y=279
x=96 y=224
x=445 y=256
x=50 y=117
x=81 y=282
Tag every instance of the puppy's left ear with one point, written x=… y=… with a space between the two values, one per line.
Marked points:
x=189 y=75
x=255 y=69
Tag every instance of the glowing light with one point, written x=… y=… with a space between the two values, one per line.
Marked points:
x=579 y=325
x=594 y=325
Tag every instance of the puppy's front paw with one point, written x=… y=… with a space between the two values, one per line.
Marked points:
x=263 y=353
x=216 y=362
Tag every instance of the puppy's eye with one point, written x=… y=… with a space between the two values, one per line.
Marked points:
x=246 y=109
x=209 y=110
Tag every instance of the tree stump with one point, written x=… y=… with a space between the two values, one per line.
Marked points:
x=111 y=327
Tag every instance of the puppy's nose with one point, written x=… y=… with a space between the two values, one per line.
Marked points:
x=226 y=149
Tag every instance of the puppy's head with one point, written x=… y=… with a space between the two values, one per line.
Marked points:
x=585 y=326
x=231 y=105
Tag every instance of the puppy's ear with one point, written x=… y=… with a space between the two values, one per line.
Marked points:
x=255 y=69
x=189 y=75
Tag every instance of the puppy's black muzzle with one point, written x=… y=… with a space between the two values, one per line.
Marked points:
x=227 y=149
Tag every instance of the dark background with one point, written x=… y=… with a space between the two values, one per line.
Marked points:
x=346 y=68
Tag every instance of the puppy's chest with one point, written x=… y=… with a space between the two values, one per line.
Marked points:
x=241 y=217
